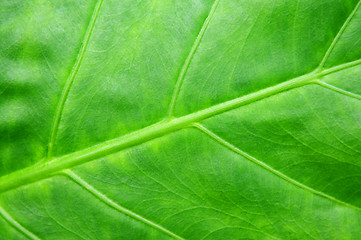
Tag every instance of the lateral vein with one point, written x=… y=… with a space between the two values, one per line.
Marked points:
x=9 y=219
x=339 y=90
x=338 y=35
x=89 y=188
x=70 y=79
x=190 y=57
x=267 y=167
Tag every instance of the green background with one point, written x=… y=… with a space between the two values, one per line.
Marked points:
x=192 y=119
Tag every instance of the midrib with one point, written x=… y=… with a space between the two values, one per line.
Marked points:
x=47 y=169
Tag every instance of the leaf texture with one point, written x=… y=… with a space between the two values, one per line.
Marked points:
x=191 y=119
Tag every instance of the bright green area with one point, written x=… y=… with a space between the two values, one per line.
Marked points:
x=192 y=119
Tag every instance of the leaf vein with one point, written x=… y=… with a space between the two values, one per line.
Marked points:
x=89 y=188
x=7 y=217
x=70 y=79
x=269 y=168
x=190 y=57
x=338 y=36
x=338 y=90
x=44 y=170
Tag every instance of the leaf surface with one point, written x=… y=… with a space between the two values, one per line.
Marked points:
x=189 y=119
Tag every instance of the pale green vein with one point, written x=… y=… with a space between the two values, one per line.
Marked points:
x=6 y=216
x=269 y=168
x=70 y=79
x=85 y=185
x=339 y=90
x=190 y=57
x=340 y=67
x=339 y=34
x=46 y=169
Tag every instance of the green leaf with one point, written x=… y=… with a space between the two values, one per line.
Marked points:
x=193 y=119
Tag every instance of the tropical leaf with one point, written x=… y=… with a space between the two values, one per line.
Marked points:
x=191 y=119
